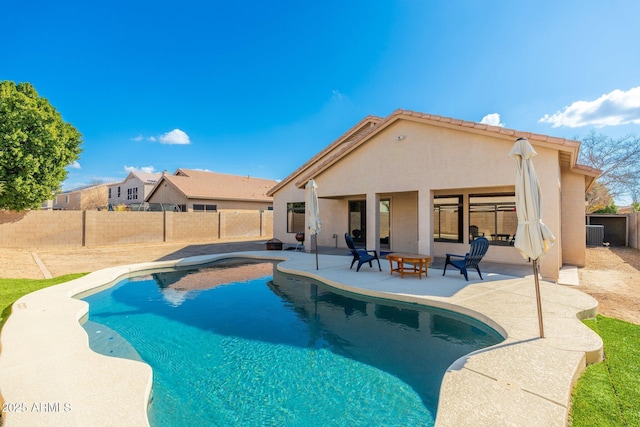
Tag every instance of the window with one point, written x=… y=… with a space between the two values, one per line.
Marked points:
x=493 y=216
x=204 y=208
x=118 y=192
x=109 y=192
x=358 y=221
x=447 y=221
x=132 y=193
x=295 y=217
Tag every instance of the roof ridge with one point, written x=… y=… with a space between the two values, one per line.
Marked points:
x=371 y=120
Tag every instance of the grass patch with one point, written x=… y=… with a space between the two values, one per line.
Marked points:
x=607 y=393
x=12 y=289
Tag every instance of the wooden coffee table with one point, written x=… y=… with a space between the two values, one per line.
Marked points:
x=419 y=264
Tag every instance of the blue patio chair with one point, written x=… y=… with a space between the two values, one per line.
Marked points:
x=361 y=255
x=477 y=250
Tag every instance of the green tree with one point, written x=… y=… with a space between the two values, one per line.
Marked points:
x=609 y=209
x=35 y=147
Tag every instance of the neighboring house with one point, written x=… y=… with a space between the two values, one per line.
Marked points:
x=47 y=205
x=83 y=198
x=202 y=191
x=134 y=189
x=414 y=182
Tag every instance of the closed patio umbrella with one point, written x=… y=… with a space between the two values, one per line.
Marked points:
x=533 y=238
x=314 y=224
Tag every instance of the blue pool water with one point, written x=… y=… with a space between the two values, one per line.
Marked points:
x=242 y=344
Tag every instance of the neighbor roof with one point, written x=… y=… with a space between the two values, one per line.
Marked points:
x=372 y=125
x=147 y=177
x=195 y=184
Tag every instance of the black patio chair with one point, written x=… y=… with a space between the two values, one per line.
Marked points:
x=477 y=250
x=361 y=255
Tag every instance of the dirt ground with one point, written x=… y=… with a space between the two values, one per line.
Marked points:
x=611 y=275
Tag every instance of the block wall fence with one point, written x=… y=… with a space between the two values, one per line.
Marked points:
x=29 y=229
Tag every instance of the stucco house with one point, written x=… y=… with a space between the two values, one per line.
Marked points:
x=415 y=182
x=82 y=198
x=202 y=191
x=134 y=189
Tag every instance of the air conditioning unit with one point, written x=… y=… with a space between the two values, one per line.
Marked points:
x=595 y=235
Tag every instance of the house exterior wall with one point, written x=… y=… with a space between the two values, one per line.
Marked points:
x=82 y=199
x=230 y=204
x=67 y=201
x=130 y=183
x=432 y=160
x=573 y=233
x=167 y=193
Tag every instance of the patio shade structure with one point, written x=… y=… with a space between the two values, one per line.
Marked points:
x=314 y=224
x=533 y=238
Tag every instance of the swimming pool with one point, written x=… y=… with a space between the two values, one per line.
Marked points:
x=242 y=344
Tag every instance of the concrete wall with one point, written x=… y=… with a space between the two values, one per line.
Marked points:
x=31 y=229
x=105 y=228
x=40 y=228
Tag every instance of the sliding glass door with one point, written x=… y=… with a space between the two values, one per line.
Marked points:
x=358 y=221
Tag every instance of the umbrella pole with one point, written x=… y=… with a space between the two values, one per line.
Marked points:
x=315 y=239
x=535 y=275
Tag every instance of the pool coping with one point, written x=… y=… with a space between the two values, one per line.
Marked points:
x=50 y=376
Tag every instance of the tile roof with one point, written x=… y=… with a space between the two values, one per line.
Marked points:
x=146 y=177
x=195 y=184
x=371 y=125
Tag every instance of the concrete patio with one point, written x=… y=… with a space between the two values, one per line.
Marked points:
x=46 y=362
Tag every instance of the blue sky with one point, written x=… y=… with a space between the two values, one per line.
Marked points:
x=257 y=88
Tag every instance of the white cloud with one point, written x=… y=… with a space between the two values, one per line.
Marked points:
x=145 y=169
x=611 y=109
x=137 y=138
x=337 y=95
x=492 y=119
x=176 y=136
x=152 y=139
x=75 y=165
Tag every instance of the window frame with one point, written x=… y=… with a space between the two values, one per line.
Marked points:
x=202 y=207
x=437 y=210
x=295 y=208
x=497 y=235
